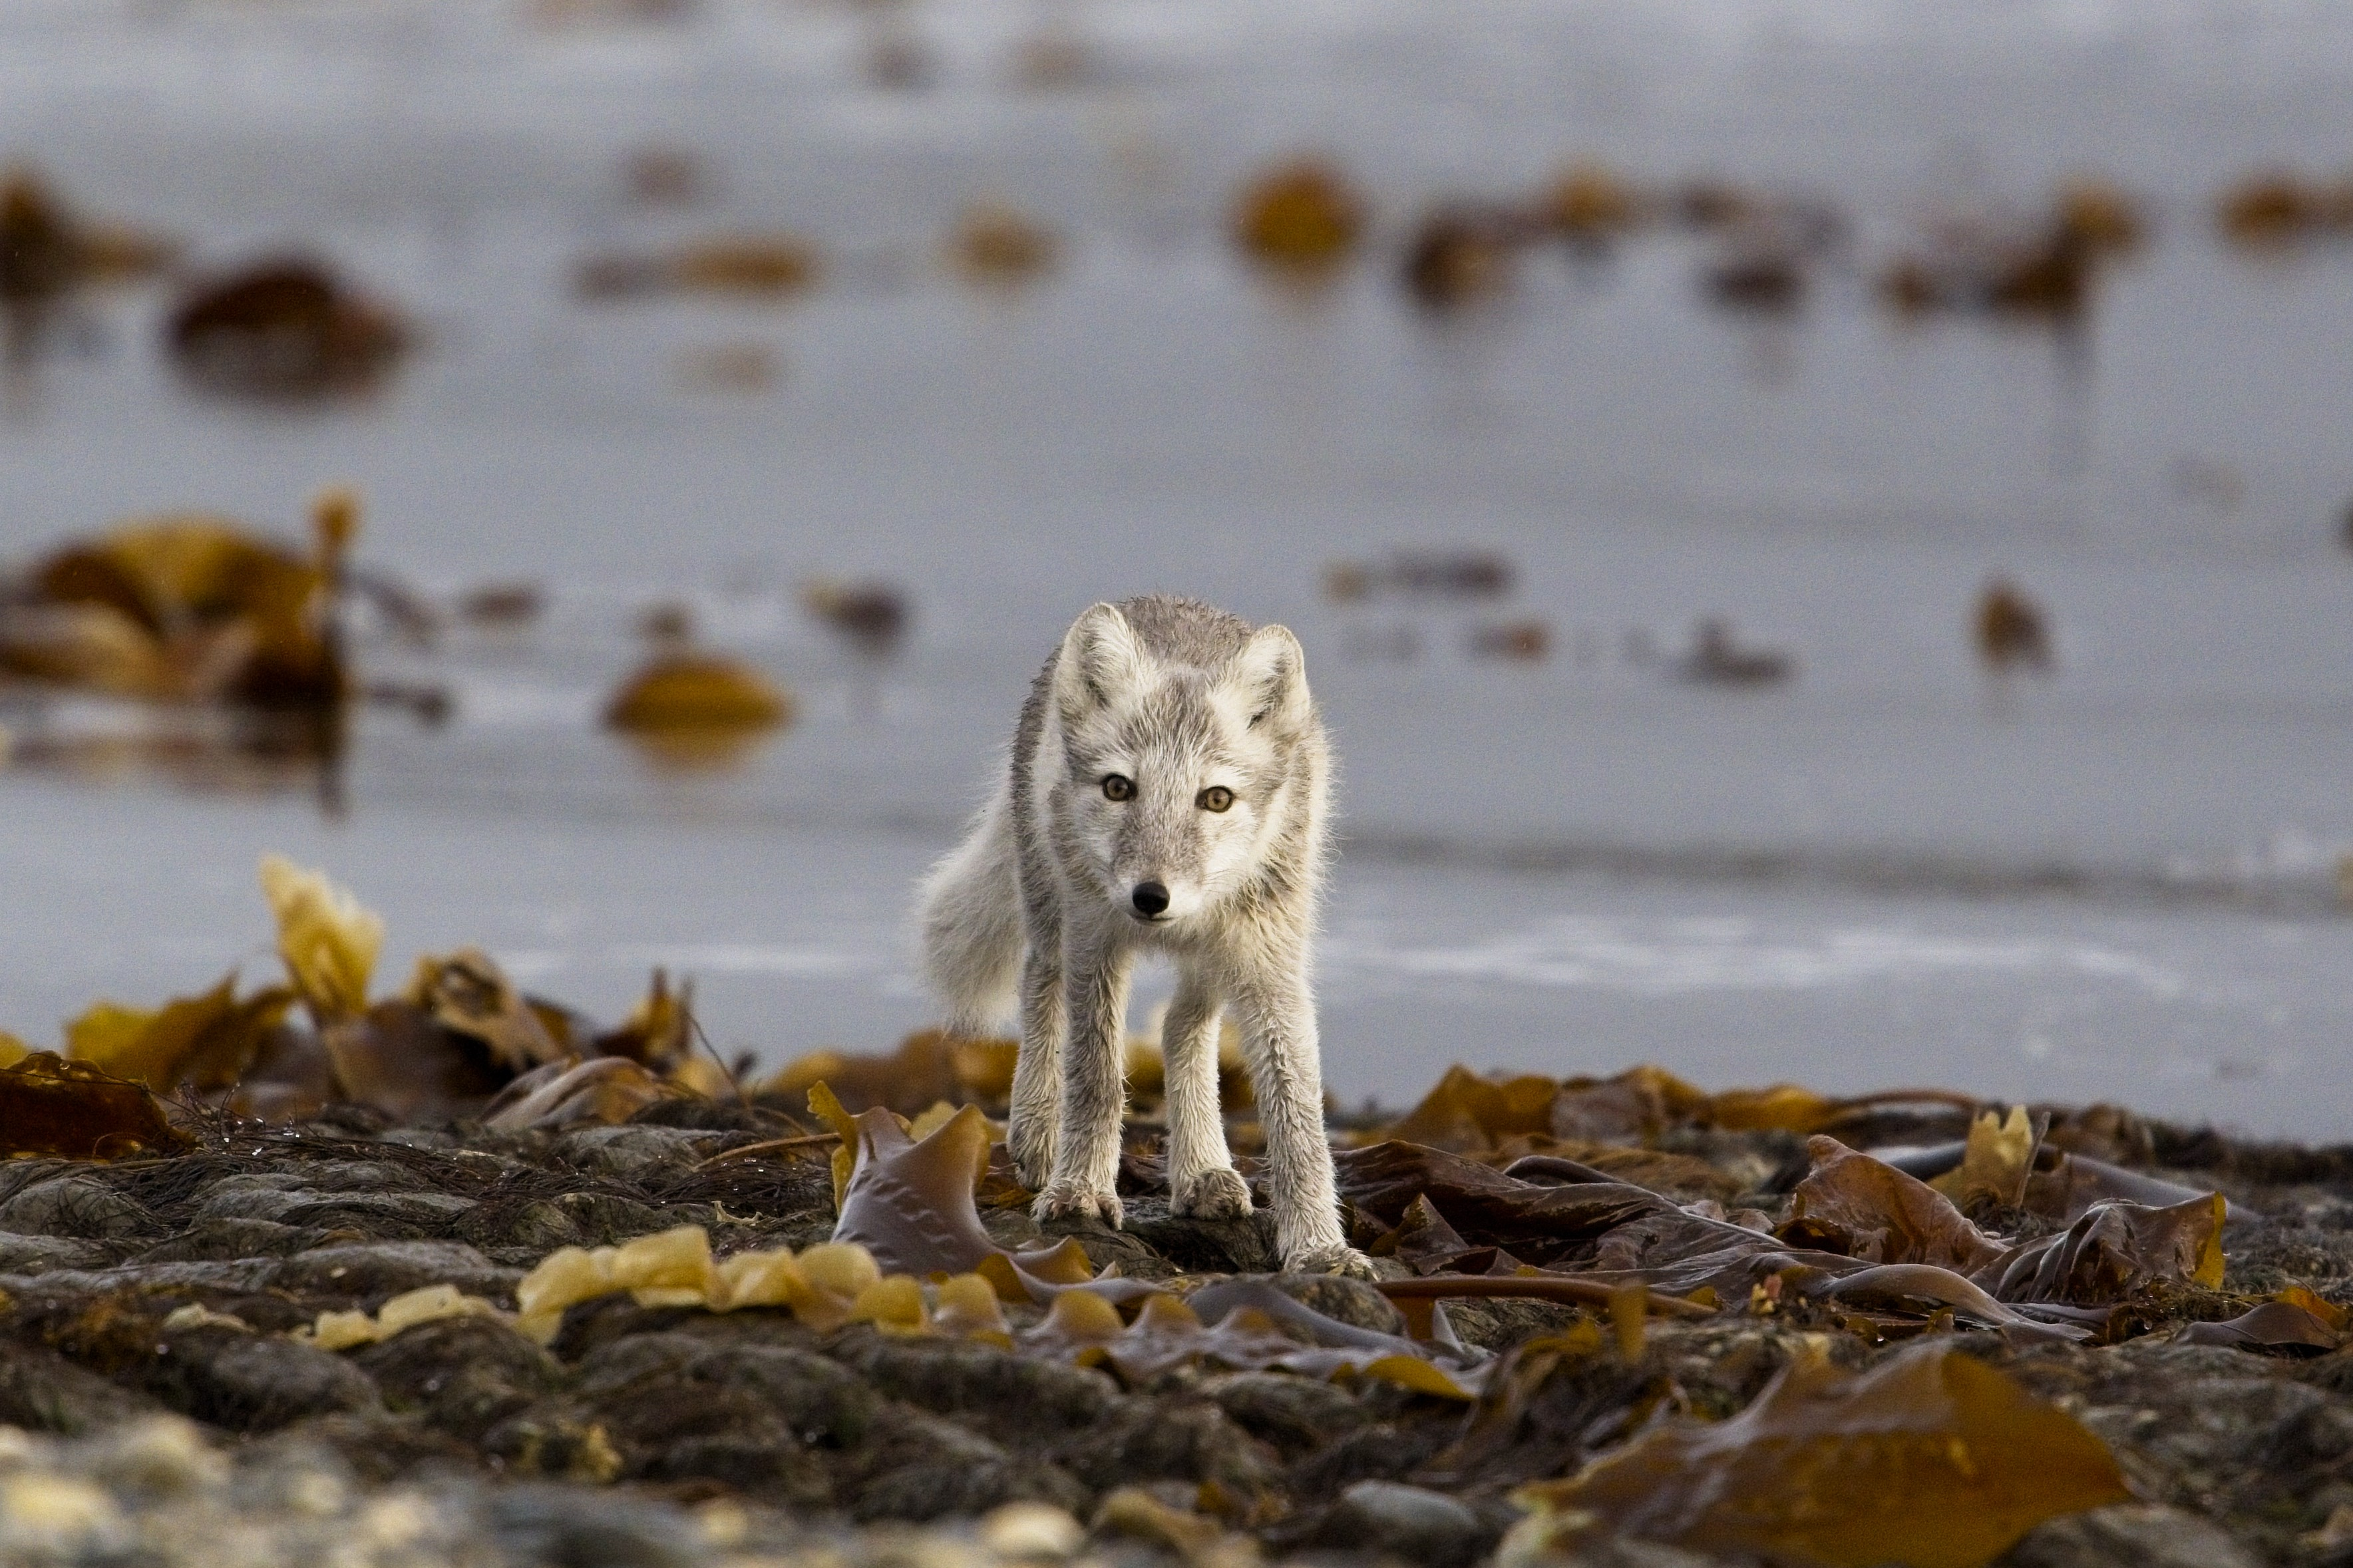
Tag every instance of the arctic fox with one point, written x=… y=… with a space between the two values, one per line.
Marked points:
x=1168 y=791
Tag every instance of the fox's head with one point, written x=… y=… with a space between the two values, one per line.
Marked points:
x=1178 y=774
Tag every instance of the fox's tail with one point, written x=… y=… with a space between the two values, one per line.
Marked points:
x=970 y=907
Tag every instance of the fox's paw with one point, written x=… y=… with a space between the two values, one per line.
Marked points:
x=1063 y=1200
x=1033 y=1156
x=1220 y=1194
x=1343 y=1260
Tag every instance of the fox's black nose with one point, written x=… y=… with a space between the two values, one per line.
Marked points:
x=1150 y=899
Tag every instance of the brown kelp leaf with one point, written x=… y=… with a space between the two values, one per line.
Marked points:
x=1167 y=1335
x=605 y=1091
x=51 y=1106
x=928 y=1066
x=1423 y=1240
x=1891 y=1217
x=909 y=1203
x=748 y=266
x=1303 y=217
x=1783 y=1108
x=1996 y=1162
x=659 y=1032
x=693 y=691
x=328 y=940
x=207 y=1041
x=1931 y=1459
x=1467 y=1113
x=2275 y=1325
x=180 y=609
x=467 y=993
x=2339 y=1319
x=11 y=1049
x=396 y=1058
x=1923 y=1287
x=2116 y=1250
x=2072 y=1184
x=1576 y=1219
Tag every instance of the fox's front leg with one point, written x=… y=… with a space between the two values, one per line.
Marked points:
x=1094 y=1082
x=1202 y=1181
x=1277 y=1013
x=1037 y=1071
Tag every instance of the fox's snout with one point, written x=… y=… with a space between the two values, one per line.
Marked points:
x=1149 y=900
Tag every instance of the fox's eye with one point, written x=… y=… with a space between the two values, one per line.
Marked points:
x=1118 y=786
x=1216 y=797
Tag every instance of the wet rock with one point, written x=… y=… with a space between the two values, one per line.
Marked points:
x=1499 y=1323
x=919 y=1467
x=376 y=1270
x=464 y=1374
x=635 y=1152
x=1350 y=1301
x=1105 y=1246
x=2128 y=1536
x=1172 y=1438
x=1386 y=1451
x=40 y=1254
x=1294 y=1414
x=545 y=1525
x=251 y=1382
x=675 y=1406
x=951 y=1377
x=393 y=1216
x=1403 y=1522
x=74 y=1206
x=41 y=1391
x=225 y=1240
x=1244 y=1245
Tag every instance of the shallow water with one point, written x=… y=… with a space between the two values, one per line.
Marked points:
x=2117 y=882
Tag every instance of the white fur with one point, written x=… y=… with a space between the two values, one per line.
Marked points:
x=1036 y=908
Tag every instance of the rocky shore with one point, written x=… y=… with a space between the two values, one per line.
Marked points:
x=168 y=1396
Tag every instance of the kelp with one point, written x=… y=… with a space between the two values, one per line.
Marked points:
x=825 y=1286
x=188 y=608
x=1470 y=1113
x=1931 y=1459
x=467 y=993
x=426 y=1304
x=51 y=1106
x=2117 y=1250
x=567 y=1093
x=1168 y=1334
x=208 y=1041
x=904 y=1194
x=1996 y=1160
x=2286 y=1326
x=1303 y=219
x=1882 y=1216
x=329 y=941
x=697 y=691
x=1860 y=1232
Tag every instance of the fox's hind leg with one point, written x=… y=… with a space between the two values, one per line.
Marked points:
x=1202 y=1181
x=1094 y=1081
x=1037 y=1071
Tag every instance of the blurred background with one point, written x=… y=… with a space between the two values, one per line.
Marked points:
x=1820 y=526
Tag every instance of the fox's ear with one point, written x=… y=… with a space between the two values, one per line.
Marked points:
x=1270 y=676
x=1101 y=659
